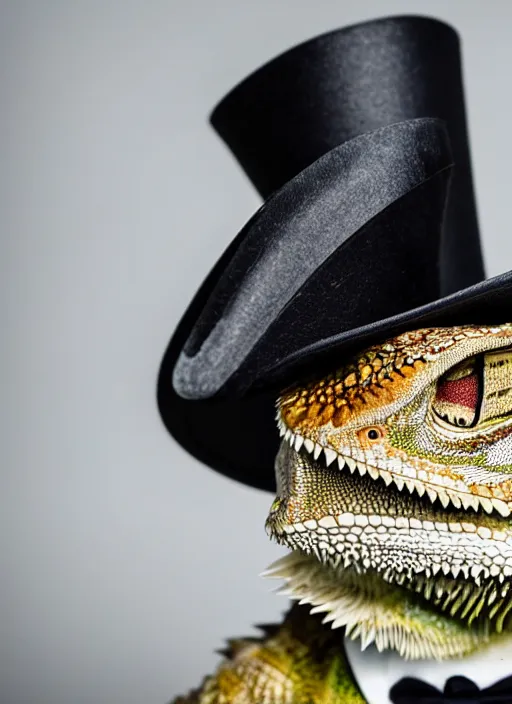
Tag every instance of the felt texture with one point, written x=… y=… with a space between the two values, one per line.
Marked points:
x=357 y=244
x=234 y=431
x=303 y=245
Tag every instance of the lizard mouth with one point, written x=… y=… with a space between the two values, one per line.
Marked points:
x=353 y=521
x=488 y=491
x=389 y=562
x=363 y=514
x=459 y=409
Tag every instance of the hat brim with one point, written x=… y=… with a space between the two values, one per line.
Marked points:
x=238 y=436
x=353 y=238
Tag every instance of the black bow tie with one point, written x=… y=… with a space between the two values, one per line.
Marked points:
x=457 y=690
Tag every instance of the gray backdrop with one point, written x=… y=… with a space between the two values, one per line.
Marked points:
x=124 y=563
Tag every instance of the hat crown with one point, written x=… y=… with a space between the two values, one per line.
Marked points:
x=339 y=85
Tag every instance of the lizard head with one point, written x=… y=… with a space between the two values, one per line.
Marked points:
x=399 y=466
x=430 y=410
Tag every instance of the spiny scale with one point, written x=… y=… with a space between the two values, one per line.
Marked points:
x=371 y=612
x=464 y=600
x=461 y=599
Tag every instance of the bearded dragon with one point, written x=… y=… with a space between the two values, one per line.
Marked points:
x=394 y=495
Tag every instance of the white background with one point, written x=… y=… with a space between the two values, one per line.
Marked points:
x=124 y=562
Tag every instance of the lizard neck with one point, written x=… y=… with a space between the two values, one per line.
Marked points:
x=392 y=616
x=305 y=661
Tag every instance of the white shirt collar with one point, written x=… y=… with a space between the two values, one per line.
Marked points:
x=376 y=673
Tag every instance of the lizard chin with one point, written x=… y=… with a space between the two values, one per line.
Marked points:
x=363 y=551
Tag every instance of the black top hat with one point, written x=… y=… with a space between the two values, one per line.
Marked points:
x=348 y=137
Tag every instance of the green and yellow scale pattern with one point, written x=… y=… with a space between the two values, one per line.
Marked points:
x=297 y=662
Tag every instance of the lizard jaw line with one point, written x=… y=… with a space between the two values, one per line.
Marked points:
x=328 y=540
x=446 y=495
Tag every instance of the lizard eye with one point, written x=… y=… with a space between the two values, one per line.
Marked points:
x=370 y=434
x=476 y=391
x=373 y=434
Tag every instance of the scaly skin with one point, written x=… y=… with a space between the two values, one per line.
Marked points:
x=394 y=492
x=377 y=411
x=299 y=662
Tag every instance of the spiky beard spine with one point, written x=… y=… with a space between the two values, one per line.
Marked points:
x=420 y=618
